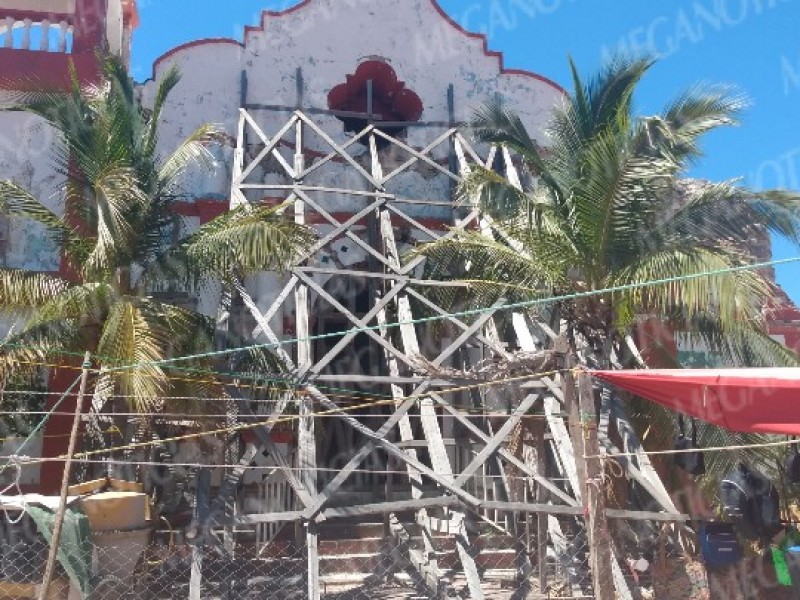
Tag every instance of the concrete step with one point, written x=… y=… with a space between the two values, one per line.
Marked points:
x=364 y=545
x=365 y=562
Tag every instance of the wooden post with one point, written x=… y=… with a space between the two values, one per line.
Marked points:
x=62 y=505
x=201 y=532
x=306 y=437
x=583 y=423
x=538 y=428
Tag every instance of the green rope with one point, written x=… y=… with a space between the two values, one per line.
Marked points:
x=168 y=363
x=477 y=311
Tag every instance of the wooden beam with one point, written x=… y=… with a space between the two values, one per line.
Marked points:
x=201 y=529
x=419 y=155
x=496 y=440
x=631 y=443
x=338 y=149
x=477 y=432
x=430 y=422
x=360 y=326
x=425 y=568
x=413 y=505
x=491 y=344
x=330 y=489
x=582 y=404
x=306 y=435
x=269 y=148
x=339 y=229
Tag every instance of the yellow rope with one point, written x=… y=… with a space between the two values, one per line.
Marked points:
x=290 y=418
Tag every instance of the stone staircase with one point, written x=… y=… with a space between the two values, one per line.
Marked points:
x=356 y=553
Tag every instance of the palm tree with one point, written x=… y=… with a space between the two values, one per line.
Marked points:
x=607 y=205
x=117 y=237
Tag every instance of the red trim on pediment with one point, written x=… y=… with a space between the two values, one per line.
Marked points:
x=282 y=13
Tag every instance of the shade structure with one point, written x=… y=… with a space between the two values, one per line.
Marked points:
x=743 y=400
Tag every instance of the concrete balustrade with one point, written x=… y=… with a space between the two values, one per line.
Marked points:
x=19 y=35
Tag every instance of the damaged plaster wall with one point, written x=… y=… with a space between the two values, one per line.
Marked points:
x=26 y=158
x=326 y=40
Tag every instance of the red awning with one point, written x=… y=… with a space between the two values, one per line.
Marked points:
x=744 y=400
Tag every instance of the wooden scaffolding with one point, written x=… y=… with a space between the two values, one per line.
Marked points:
x=559 y=502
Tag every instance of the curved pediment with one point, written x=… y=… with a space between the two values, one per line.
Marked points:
x=327 y=40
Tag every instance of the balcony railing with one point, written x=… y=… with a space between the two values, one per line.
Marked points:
x=43 y=36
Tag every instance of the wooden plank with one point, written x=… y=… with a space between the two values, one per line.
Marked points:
x=477 y=432
x=565 y=555
x=631 y=443
x=416 y=224
x=261 y=432
x=341 y=231
x=312 y=549
x=296 y=188
x=376 y=379
x=562 y=547
x=306 y=435
x=361 y=325
x=330 y=489
x=427 y=570
x=419 y=155
x=406 y=435
x=468 y=333
x=430 y=422
x=399 y=506
x=332 y=155
x=339 y=228
x=338 y=149
x=201 y=529
x=585 y=436
x=491 y=446
x=440 y=479
x=237 y=197
x=491 y=344
x=538 y=429
x=642 y=515
x=383 y=276
x=269 y=148
x=633 y=472
x=563 y=445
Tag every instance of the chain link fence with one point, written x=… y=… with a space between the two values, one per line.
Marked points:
x=534 y=557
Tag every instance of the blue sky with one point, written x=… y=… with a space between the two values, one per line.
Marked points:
x=753 y=45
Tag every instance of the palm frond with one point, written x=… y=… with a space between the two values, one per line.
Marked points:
x=87 y=304
x=15 y=201
x=697 y=112
x=732 y=297
x=34 y=347
x=22 y=291
x=617 y=193
x=192 y=152
x=491 y=268
x=494 y=194
x=116 y=195
x=167 y=83
x=245 y=241
x=495 y=124
x=131 y=343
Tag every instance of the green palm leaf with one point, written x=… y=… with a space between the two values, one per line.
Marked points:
x=247 y=240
